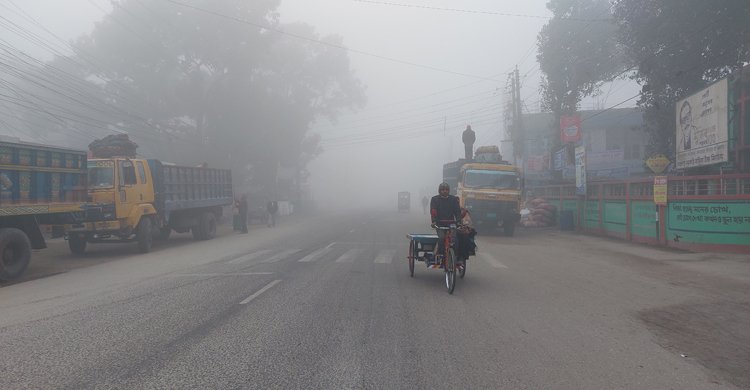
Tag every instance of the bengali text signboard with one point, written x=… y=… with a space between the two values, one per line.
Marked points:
x=660 y=190
x=702 y=130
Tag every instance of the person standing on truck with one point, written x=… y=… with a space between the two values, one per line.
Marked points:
x=469 y=137
x=242 y=209
x=444 y=211
x=272 y=207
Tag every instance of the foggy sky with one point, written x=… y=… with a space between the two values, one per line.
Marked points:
x=361 y=165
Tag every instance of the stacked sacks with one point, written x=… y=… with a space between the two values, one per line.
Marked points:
x=541 y=214
x=113 y=145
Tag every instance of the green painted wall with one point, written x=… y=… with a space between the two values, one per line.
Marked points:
x=709 y=222
x=568 y=204
x=591 y=219
x=615 y=216
x=643 y=219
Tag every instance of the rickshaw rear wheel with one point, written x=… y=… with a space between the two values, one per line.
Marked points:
x=411 y=258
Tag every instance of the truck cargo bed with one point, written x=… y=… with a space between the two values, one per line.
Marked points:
x=38 y=179
x=180 y=187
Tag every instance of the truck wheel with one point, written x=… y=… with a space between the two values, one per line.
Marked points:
x=197 y=232
x=208 y=220
x=509 y=228
x=144 y=235
x=164 y=233
x=15 y=249
x=206 y=228
x=77 y=245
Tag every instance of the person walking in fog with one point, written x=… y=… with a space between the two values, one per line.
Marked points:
x=236 y=215
x=272 y=207
x=242 y=210
x=425 y=203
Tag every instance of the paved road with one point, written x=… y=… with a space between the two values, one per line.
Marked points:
x=327 y=302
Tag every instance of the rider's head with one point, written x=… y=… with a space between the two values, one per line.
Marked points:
x=444 y=189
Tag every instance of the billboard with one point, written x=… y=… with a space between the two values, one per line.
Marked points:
x=702 y=127
x=536 y=163
x=606 y=158
x=558 y=160
x=581 y=170
x=570 y=128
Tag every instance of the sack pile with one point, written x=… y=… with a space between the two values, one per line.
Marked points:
x=541 y=214
x=118 y=145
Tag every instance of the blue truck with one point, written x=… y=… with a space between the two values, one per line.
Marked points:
x=39 y=185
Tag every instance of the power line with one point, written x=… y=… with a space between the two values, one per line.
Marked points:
x=321 y=42
x=473 y=11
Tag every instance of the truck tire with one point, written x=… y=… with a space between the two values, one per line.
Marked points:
x=206 y=228
x=15 y=249
x=77 y=245
x=164 y=233
x=197 y=232
x=208 y=220
x=144 y=235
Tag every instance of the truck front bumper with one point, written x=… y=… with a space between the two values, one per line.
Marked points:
x=93 y=227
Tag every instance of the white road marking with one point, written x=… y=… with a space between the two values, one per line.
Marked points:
x=281 y=255
x=229 y=274
x=493 y=261
x=385 y=256
x=250 y=256
x=315 y=255
x=352 y=231
x=261 y=291
x=330 y=245
x=350 y=255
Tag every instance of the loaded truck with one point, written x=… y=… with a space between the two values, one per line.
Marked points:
x=39 y=185
x=489 y=187
x=138 y=200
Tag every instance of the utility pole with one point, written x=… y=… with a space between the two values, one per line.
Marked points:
x=518 y=135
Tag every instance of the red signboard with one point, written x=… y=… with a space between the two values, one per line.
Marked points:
x=570 y=128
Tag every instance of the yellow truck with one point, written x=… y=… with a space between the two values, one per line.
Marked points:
x=490 y=188
x=134 y=199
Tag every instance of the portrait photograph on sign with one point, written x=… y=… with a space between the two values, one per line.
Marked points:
x=702 y=127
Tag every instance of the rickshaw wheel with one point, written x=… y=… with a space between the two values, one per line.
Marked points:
x=411 y=258
x=450 y=271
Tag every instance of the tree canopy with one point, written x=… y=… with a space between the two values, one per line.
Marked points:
x=673 y=47
x=216 y=81
x=578 y=50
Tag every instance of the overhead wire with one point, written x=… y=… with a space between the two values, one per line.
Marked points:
x=471 y=11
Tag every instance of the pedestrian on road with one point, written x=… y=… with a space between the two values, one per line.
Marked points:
x=272 y=207
x=236 y=215
x=242 y=209
x=425 y=203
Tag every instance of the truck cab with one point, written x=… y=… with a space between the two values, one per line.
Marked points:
x=121 y=193
x=490 y=189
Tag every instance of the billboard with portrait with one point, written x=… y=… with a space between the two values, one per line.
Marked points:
x=702 y=127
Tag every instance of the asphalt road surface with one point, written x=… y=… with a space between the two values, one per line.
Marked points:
x=326 y=302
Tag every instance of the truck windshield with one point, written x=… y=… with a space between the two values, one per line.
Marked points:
x=101 y=175
x=490 y=179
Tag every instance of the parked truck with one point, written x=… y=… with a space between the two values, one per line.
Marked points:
x=39 y=185
x=135 y=199
x=489 y=187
